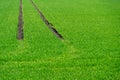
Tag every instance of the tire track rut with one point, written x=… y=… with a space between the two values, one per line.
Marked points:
x=20 y=35
x=48 y=24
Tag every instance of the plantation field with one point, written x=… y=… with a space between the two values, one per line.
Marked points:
x=90 y=49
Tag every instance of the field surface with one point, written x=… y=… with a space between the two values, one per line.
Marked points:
x=31 y=48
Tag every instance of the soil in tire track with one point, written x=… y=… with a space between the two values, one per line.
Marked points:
x=50 y=25
x=20 y=35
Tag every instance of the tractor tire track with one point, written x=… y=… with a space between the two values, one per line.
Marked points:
x=48 y=24
x=20 y=35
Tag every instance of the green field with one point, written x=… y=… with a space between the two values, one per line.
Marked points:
x=90 y=49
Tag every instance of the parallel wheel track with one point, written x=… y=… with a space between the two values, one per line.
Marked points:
x=48 y=24
x=20 y=35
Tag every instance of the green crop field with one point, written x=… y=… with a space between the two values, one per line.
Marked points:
x=90 y=49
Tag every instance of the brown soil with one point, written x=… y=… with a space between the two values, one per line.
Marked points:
x=20 y=35
x=48 y=24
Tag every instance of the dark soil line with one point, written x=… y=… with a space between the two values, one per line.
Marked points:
x=50 y=25
x=20 y=35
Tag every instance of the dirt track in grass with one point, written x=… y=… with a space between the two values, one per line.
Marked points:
x=20 y=34
x=48 y=24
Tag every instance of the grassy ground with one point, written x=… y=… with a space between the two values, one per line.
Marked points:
x=90 y=50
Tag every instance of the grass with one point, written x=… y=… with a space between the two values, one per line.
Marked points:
x=90 y=50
